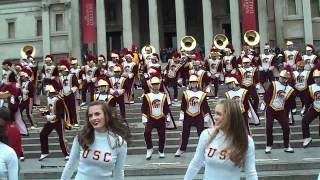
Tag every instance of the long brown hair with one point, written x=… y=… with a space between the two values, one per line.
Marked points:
x=116 y=126
x=235 y=131
x=5 y=115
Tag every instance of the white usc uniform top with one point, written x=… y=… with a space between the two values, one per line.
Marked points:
x=194 y=101
x=215 y=158
x=100 y=161
x=309 y=61
x=173 y=68
x=288 y=53
x=301 y=80
x=227 y=61
x=117 y=84
x=266 y=61
x=213 y=66
x=48 y=70
x=67 y=84
x=89 y=73
x=128 y=68
x=103 y=97
x=280 y=94
x=156 y=104
x=247 y=75
x=25 y=90
x=314 y=91
x=238 y=95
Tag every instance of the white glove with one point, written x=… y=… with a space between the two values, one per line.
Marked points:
x=260 y=68
x=208 y=89
x=50 y=117
x=168 y=119
x=144 y=119
x=181 y=118
x=146 y=75
x=180 y=81
x=25 y=91
x=74 y=89
x=262 y=107
x=79 y=81
x=206 y=118
x=52 y=77
x=94 y=79
x=12 y=100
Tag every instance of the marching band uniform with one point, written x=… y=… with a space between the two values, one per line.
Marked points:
x=214 y=66
x=249 y=78
x=312 y=103
x=55 y=117
x=34 y=79
x=90 y=75
x=50 y=73
x=117 y=90
x=266 y=66
x=302 y=81
x=204 y=76
x=155 y=114
x=27 y=89
x=291 y=56
x=172 y=72
x=69 y=85
x=130 y=71
x=310 y=59
x=241 y=96
x=195 y=111
x=277 y=97
x=229 y=61
x=246 y=53
x=104 y=95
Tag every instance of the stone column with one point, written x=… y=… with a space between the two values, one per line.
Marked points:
x=235 y=25
x=76 y=30
x=180 y=21
x=278 y=14
x=207 y=25
x=46 y=29
x=263 y=23
x=307 y=23
x=153 y=24
x=126 y=23
x=101 y=28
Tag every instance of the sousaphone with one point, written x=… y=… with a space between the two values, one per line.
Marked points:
x=251 y=37
x=188 y=43
x=220 y=41
x=27 y=50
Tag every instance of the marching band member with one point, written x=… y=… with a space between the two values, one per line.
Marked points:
x=312 y=103
x=69 y=85
x=204 y=76
x=77 y=71
x=278 y=96
x=195 y=111
x=155 y=114
x=102 y=61
x=172 y=73
x=55 y=116
x=249 y=78
x=7 y=72
x=302 y=81
x=229 y=61
x=27 y=89
x=291 y=56
x=89 y=76
x=240 y=95
x=50 y=73
x=214 y=66
x=154 y=63
x=310 y=58
x=111 y=64
x=103 y=94
x=266 y=66
x=246 y=53
x=130 y=71
x=32 y=64
x=117 y=83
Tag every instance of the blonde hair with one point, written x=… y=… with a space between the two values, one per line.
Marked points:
x=235 y=132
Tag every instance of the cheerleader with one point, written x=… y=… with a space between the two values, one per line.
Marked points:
x=100 y=149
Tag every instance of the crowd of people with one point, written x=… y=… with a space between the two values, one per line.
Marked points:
x=106 y=85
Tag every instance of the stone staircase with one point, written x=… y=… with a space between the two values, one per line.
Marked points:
x=303 y=164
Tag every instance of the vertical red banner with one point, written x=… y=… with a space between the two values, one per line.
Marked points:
x=249 y=15
x=89 y=24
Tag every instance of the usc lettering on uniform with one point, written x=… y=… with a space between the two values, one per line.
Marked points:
x=213 y=151
x=96 y=155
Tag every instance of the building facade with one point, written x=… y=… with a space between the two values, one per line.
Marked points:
x=55 y=26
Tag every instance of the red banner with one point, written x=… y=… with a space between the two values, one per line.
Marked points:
x=249 y=15
x=89 y=25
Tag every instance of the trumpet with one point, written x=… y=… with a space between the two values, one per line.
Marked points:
x=220 y=41
x=251 y=37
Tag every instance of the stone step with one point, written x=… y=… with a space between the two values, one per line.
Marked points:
x=137 y=139
x=139 y=129
x=274 y=170
x=33 y=150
